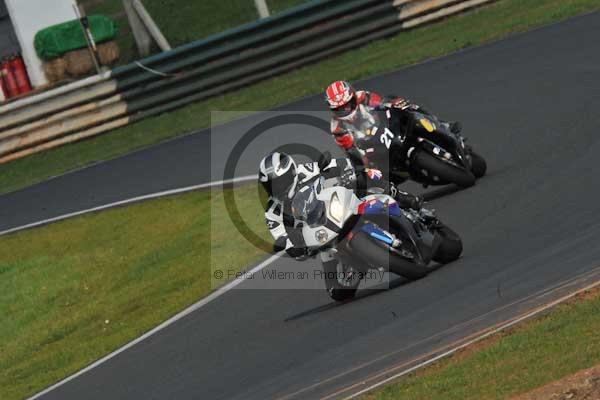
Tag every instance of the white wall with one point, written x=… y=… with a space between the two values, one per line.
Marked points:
x=28 y=17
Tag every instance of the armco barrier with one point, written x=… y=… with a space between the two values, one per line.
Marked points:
x=205 y=68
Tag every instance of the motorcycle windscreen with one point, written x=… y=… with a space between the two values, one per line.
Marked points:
x=306 y=207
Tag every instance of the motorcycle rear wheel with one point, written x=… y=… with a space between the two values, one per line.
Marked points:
x=379 y=256
x=446 y=172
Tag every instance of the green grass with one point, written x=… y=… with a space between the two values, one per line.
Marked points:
x=183 y=21
x=544 y=350
x=476 y=27
x=76 y=290
x=73 y=291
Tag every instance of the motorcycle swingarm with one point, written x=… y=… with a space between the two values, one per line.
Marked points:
x=404 y=231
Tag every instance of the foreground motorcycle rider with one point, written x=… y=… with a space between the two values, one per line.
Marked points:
x=355 y=118
x=282 y=178
x=353 y=230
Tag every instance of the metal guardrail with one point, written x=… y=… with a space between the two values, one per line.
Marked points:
x=205 y=68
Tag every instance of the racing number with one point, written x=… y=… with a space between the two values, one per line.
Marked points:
x=386 y=138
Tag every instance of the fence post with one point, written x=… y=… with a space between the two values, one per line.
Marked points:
x=262 y=8
x=141 y=35
x=151 y=25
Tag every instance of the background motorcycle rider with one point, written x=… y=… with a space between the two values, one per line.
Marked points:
x=354 y=121
x=282 y=177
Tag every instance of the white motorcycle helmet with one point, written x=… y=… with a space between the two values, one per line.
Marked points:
x=277 y=173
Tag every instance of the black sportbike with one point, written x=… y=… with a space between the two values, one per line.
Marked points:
x=412 y=144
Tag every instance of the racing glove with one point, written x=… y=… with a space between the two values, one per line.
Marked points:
x=345 y=141
x=374 y=174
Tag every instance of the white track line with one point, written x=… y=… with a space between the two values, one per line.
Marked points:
x=475 y=340
x=132 y=200
x=217 y=293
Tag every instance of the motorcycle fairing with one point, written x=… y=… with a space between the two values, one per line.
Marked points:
x=376 y=233
x=379 y=204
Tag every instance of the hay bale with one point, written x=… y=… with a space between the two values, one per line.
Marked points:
x=55 y=70
x=108 y=52
x=79 y=62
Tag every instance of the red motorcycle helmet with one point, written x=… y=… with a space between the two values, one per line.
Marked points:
x=341 y=98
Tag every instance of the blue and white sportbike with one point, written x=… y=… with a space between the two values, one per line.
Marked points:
x=356 y=236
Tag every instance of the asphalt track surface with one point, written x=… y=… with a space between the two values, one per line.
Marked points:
x=528 y=103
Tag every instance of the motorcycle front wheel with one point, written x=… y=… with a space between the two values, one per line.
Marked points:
x=341 y=280
x=451 y=247
x=478 y=165
x=446 y=172
x=380 y=256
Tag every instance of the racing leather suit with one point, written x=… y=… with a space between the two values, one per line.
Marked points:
x=340 y=171
x=347 y=131
x=350 y=133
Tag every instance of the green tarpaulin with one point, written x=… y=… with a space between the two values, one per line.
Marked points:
x=56 y=40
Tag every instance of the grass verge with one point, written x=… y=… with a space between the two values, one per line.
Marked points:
x=76 y=290
x=473 y=28
x=537 y=352
x=182 y=21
